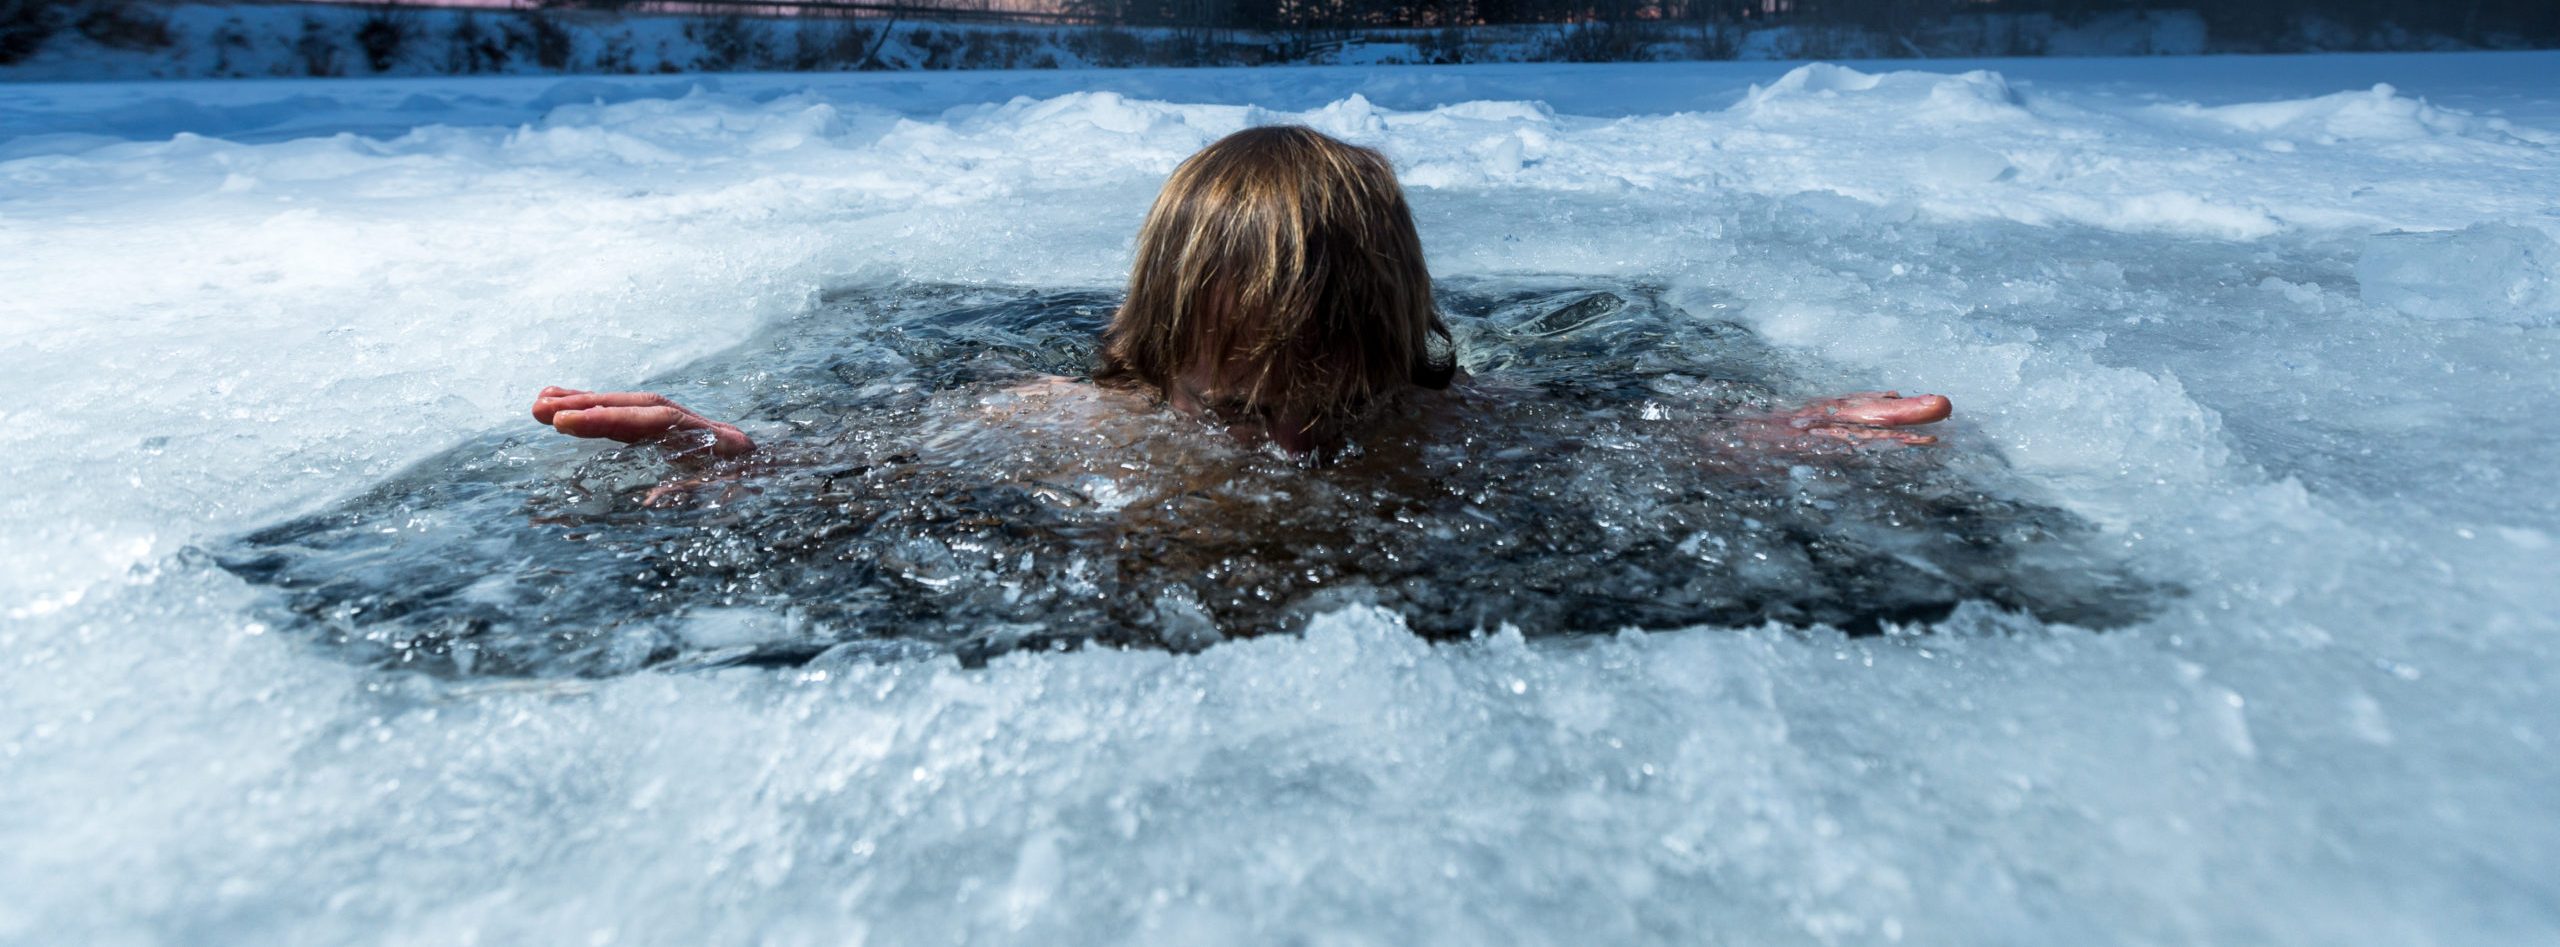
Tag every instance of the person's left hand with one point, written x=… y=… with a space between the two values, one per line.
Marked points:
x=1866 y=416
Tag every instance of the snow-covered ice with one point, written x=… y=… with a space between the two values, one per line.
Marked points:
x=2284 y=328
x=2484 y=271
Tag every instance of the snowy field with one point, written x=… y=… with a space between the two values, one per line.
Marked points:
x=2290 y=336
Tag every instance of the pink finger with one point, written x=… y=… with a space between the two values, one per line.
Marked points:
x=628 y=425
x=543 y=402
x=582 y=400
x=1926 y=409
x=612 y=399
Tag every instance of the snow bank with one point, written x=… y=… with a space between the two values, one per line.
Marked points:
x=1821 y=90
x=2379 y=114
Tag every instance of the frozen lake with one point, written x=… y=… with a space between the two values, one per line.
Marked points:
x=2284 y=331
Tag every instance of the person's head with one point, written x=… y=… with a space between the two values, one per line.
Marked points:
x=1279 y=285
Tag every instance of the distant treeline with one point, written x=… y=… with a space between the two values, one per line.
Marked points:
x=2271 y=23
x=2276 y=25
x=2476 y=21
x=151 y=39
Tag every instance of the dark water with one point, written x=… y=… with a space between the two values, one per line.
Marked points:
x=913 y=498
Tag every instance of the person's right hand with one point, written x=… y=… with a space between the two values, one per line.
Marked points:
x=631 y=417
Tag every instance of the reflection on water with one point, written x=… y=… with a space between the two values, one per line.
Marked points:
x=926 y=499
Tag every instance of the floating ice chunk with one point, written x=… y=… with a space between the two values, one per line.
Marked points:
x=1965 y=163
x=2488 y=272
x=1184 y=622
x=1107 y=495
x=1503 y=156
x=1508 y=155
x=1353 y=117
x=727 y=627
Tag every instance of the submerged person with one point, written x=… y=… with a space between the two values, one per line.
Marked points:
x=1280 y=294
x=1281 y=420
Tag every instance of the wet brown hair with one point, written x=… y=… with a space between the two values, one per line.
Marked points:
x=1287 y=261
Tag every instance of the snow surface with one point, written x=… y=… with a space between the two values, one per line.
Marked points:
x=2285 y=327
